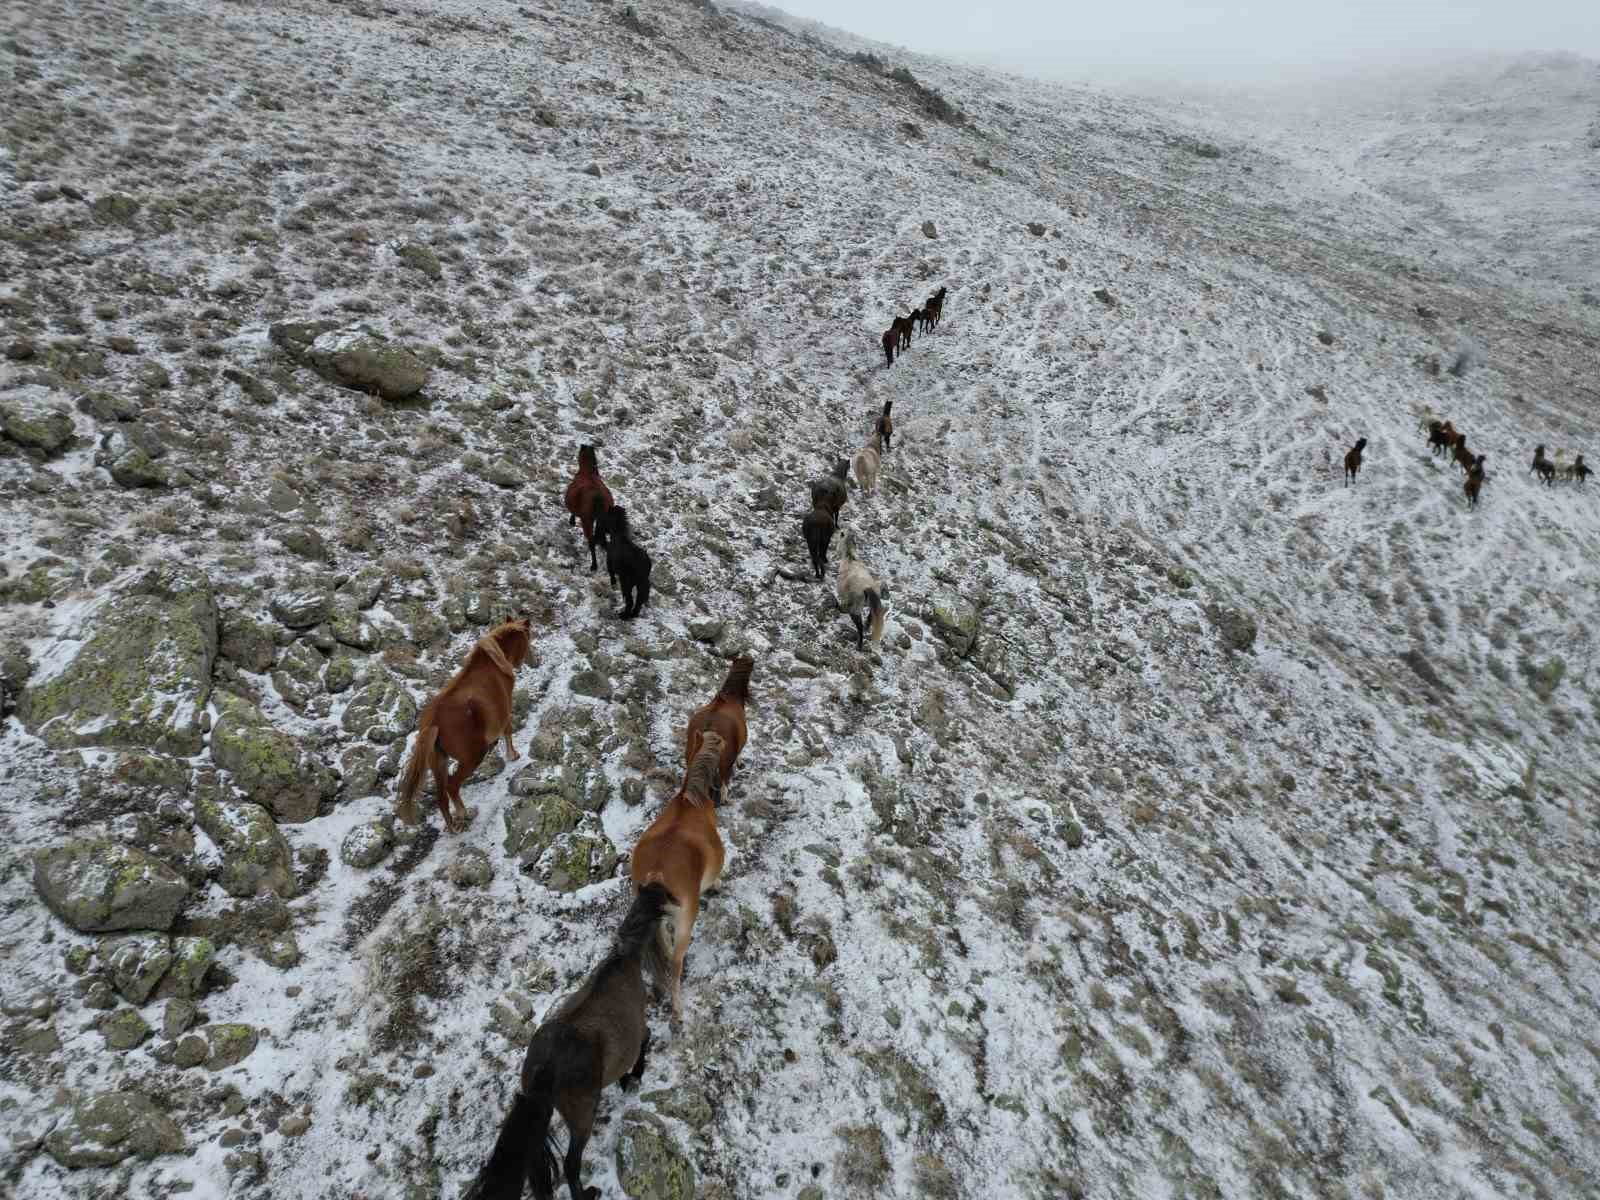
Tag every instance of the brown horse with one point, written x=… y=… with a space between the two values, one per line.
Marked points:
x=588 y=497
x=1543 y=467
x=724 y=716
x=933 y=310
x=1577 y=471
x=901 y=328
x=830 y=492
x=463 y=721
x=886 y=424
x=1352 y=460
x=682 y=851
x=890 y=339
x=1474 y=483
x=1461 y=456
x=1441 y=437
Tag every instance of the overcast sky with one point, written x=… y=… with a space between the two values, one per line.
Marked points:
x=1241 y=39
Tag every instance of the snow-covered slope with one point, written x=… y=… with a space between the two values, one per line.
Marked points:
x=1246 y=850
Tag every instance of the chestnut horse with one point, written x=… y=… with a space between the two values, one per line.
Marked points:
x=890 y=339
x=682 y=851
x=588 y=497
x=463 y=721
x=901 y=328
x=724 y=716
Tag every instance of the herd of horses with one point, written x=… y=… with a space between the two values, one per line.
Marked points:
x=1445 y=438
x=897 y=337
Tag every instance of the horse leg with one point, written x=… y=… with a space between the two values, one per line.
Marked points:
x=441 y=786
x=458 y=776
x=511 y=751
x=681 y=933
x=580 y=1124
x=632 y=1078
x=861 y=634
x=630 y=607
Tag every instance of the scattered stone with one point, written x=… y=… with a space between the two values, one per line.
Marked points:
x=471 y=868
x=363 y=361
x=186 y=977
x=281 y=950
x=1105 y=297
x=956 y=620
x=254 y=855
x=533 y=823
x=633 y=791
x=190 y=1052
x=1237 y=628
x=123 y=1029
x=650 y=1164
x=579 y=858
x=143 y=676
x=29 y=417
x=1036 y=228
x=107 y=1128
x=266 y=763
x=136 y=963
x=592 y=169
x=689 y=1104
x=294 y=1125
x=592 y=683
x=228 y=1044
x=929 y=230
x=252 y=387
x=97 y=886
x=707 y=631
x=381 y=712
x=178 y=1017
x=116 y=207
x=134 y=468
x=1324 y=337
x=502 y=472
x=247 y=644
x=367 y=845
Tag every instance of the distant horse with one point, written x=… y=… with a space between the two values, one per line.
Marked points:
x=830 y=492
x=818 y=528
x=868 y=460
x=886 y=425
x=1352 y=460
x=724 y=716
x=1441 y=437
x=934 y=307
x=902 y=329
x=1542 y=466
x=890 y=339
x=1460 y=455
x=588 y=497
x=463 y=721
x=1577 y=471
x=857 y=588
x=919 y=319
x=597 y=1036
x=1474 y=483
x=682 y=851
x=626 y=560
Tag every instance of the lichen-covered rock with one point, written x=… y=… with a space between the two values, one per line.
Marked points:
x=107 y=1128
x=1236 y=628
x=533 y=823
x=30 y=417
x=123 y=1029
x=301 y=607
x=191 y=961
x=136 y=963
x=228 y=1045
x=577 y=859
x=471 y=868
x=299 y=674
x=650 y=1163
x=255 y=857
x=358 y=767
x=248 y=644
x=281 y=950
x=381 y=712
x=267 y=764
x=134 y=468
x=97 y=886
x=955 y=619
x=367 y=845
x=368 y=363
x=340 y=676
x=143 y=674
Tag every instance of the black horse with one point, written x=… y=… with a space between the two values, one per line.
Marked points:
x=818 y=528
x=626 y=560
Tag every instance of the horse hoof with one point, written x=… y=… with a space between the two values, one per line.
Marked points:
x=513 y=755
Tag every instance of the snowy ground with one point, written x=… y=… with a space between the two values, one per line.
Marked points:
x=1104 y=908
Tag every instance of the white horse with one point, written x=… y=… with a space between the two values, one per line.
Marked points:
x=858 y=589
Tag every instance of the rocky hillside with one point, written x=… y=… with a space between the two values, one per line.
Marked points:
x=1201 y=826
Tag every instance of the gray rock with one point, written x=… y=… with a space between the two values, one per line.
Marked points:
x=31 y=416
x=294 y=1125
x=299 y=674
x=359 y=767
x=650 y=1163
x=97 y=886
x=592 y=683
x=266 y=763
x=247 y=644
x=929 y=230
x=367 y=845
x=107 y=1128
x=191 y=961
x=134 y=468
x=302 y=607
x=340 y=676
x=381 y=712
x=178 y=1016
x=123 y=1029
x=228 y=1045
x=368 y=363
x=471 y=868
x=956 y=620
x=142 y=677
x=136 y=963
x=578 y=858
x=502 y=472
x=1037 y=228
x=255 y=857
x=1236 y=628
x=707 y=631
x=533 y=823
x=190 y=1052
x=252 y=387
x=281 y=950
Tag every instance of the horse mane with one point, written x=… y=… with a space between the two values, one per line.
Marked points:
x=617 y=522
x=699 y=785
x=737 y=685
x=587 y=460
x=490 y=645
x=842 y=468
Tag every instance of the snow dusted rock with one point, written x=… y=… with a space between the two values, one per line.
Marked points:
x=134 y=468
x=383 y=712
x=267 y=764
x=367 y=845
x=228 y=1044
x=97 y=886
x=471 y=868
x=1236 y=628
x=299 y=674
x=956 y=619
x=368 y=363
x=107 y=1128
x=124 y=1029
x=533 y=823
x=302 y=606
x=650 y=1163
x=578 y=858
x=930 y=230
x=186 y=977
x=247 y=644
x=143 y=673
x=31 y=417
x=136 y=963
x=255 y=857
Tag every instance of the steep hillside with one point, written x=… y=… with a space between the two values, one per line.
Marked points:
x=1200 y=827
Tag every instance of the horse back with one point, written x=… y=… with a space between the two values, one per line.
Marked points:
x=679 y=849
x=473 y=709
x=725 y=718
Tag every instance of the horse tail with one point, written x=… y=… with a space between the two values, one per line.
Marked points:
x=647 y=931
x=737 y=685
x=524 y=1136
x=422 y=756
x=876 y=605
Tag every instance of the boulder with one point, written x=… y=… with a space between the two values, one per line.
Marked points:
x=579 y=858
x=301 y=607
x=97 y=886
x=533 y=823
x=1236 y=627
x=191 y=961
x=107 y=1128
x=142 y=674
x=255 y=858
x=31 y=417
x=356 y=359
x=267 y=764
x=228 y=1044
x=367 y=845
x=136 y=963
x=381 y=712
x=248 y=644
x=124 y=1029
x=134 y=468
x=650 y=1163
x=956 y=620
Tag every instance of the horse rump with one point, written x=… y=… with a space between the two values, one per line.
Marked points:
x=818 y=530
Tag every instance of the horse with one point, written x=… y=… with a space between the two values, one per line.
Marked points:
x=1461 y=456
x=858 y=587
x=626 y=560
x=1542 y=466
x=817 y=529
x=890 y=339
x=464 y=720
x=830 y=492
x=919 y=318
x=885 y=424
x=868 y=459
x=1352 y=460
x=682 y=852
x=595 y=1037
x=1441 y=436
x=724 y=716
x=902 y=330
x=587 y=497
x=1577 y=471
x=935 y=306
x=1474 y=482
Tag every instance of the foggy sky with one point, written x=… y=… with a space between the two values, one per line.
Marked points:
x=1217 y=40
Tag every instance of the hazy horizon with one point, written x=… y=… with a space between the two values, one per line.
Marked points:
x=1248 y=42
